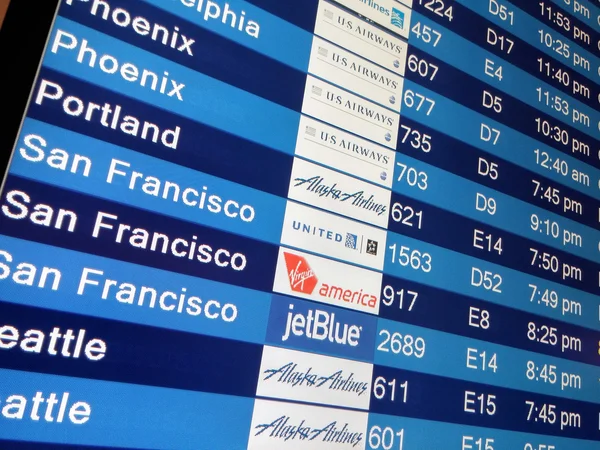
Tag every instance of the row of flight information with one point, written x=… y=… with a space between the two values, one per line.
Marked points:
x=312 y=224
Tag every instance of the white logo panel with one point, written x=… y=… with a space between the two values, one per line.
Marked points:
x=388 y=13
x=356 y=74
x=343 y=151
x=336 y=192
x=289 y=426
x=323 y=280
x=350 y=112
x=347 y=30
x=334 y=236
x=312 y=378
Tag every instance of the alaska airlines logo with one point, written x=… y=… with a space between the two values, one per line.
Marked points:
x=301 y=276
x=320 y=325
x=286 y=429
x=290 y=374
x=303 y=279
x=318 y=185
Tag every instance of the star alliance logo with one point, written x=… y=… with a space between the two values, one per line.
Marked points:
x=372 y=247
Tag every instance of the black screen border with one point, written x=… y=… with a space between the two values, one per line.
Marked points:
x=23 y=37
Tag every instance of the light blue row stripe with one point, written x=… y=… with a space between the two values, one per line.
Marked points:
x=571 y=6
x=511 y=214
x=452 y=271
x=427 y=434
x=446 y=355
x=527 y=28
x=465 y=124
x=470 y=58
x=252 y=306
x=269 y=209
x=278 y=38
x=204 y=99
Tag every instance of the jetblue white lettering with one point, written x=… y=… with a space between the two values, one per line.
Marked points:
x=321 y=326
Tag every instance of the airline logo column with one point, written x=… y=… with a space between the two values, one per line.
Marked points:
x=323 y=319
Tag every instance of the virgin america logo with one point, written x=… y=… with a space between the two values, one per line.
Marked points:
x=301 y=276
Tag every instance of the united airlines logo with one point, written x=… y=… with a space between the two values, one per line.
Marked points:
x=290 y=374
x=398 y=18
x=287 y=429
x=351 y=240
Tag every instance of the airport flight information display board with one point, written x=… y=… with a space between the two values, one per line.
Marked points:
x=310 y=224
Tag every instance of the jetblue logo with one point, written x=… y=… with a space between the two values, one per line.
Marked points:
x=398 y=18
x=323 y=329
x=320 y=325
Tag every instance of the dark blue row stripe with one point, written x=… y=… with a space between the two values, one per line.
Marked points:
x=232 y=158
x=469 y=91
x=446 y=311
x=462 y=159
x=510 y=413
x=534 y=9
x=200 y=147
x=473 y=27
x=455 y=232
x=136 y=353
x=258 y=254
x=213 y=55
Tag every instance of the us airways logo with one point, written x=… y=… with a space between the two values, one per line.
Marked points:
x=335 y=331
x=366 y=71
x=344 y=152
x=286 y=428
x=303 y=279
x=354 y=106
x=354 y=146
x=319 y=186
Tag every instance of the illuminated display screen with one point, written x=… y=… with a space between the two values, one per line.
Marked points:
x=309 y=224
